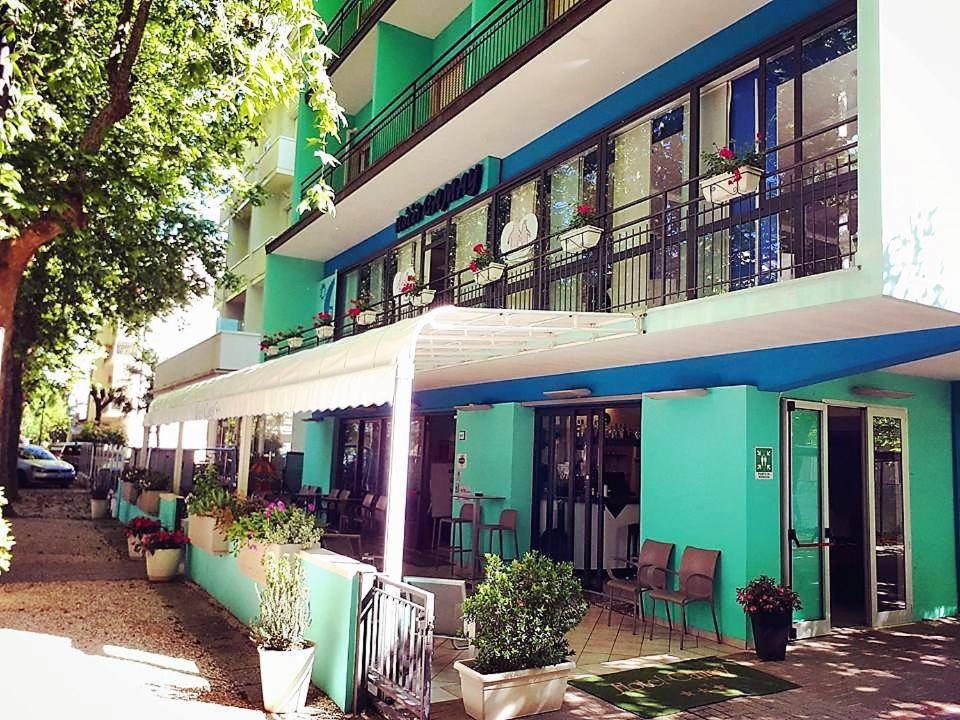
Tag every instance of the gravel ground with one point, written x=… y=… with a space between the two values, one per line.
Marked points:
x=84 y=635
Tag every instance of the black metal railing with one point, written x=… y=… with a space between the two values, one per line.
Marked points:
x=347 y=23
x=673 y=245
x=394 y=649
x=507 y=28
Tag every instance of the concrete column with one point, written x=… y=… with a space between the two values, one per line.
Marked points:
x=243 y=455
x=399 y=459
x=144 y=447
x=178 y=460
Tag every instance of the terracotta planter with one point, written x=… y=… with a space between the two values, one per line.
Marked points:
x=205 y=534
x=149 y=501
x=163 y=565
x=250 y=558
x=129 y=491
x=581 y=238
x=423 y=298
x=324 y=332
x=134 y=549
x=367 y=317
x=724 y=188
x=285 y=678
x=491 y=273
x=514 y=694
x=98 y=509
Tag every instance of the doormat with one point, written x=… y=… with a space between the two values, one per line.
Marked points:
x=665 y=689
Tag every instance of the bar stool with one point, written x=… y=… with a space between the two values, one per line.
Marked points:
x=456 y=532
x=508 y=522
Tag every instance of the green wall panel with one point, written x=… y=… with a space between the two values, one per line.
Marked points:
x=290 y=292
x=318 y=454
x=499 y=449
x=168 y=513
x=457 y=28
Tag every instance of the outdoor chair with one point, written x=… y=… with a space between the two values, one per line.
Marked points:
x=508 y=523
x=652 y=564
x=697 y=576
x=456 y=532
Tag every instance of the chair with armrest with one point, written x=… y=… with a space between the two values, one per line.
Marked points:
x=652 y=564
x=697 y=583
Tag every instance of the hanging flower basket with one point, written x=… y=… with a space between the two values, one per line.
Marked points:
x=729 y=186
x=491 y=273
x=581 y=238
x=423 y=298
x=324 y=332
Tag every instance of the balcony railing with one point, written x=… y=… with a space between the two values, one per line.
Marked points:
x=508 y=28
x=346 y=26
x=672 y=245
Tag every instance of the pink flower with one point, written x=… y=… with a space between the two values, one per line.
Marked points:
x=311 y=507
x=726 y=153
x=267 y=512
x=280 y=506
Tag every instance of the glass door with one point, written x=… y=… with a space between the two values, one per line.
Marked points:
x=806 y=536
x=888 y=528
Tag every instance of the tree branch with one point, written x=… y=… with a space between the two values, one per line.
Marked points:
x=119 y=76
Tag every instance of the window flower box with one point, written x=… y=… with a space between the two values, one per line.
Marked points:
x=250 y=557
x=295 y=342
x=272 y=350
x=423 y=298
x=719 y=189
x=366 y=317
x=149 y=501
x=489 y=274
x=581 y=238
x=324 y=332
x=129 y=491
x=205 y=534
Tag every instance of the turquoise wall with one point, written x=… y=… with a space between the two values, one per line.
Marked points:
x=168 y=513
x=318 y=453
x=457 y=28
x=499 y=449
x=333 y=610
x=401 y=56
x=128 y=511
x=290 y=292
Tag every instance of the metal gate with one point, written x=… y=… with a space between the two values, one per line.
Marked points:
x=394 y=646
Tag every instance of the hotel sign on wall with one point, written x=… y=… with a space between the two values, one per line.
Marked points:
x=466 y=185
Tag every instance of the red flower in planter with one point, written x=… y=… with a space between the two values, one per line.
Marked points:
x=479 y=248
x=354 y=311
x=584 y=209
x=140 y=526
x=165 y=540
x=474 y=266
x=726 y=153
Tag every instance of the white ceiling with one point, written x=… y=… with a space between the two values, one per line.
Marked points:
x=619 y=43
x=424 y=18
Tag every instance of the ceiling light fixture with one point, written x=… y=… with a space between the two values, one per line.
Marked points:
x=567 y=394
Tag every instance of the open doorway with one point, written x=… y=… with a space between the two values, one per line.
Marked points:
x=846 y=453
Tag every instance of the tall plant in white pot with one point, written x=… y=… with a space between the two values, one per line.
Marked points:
x=522 y=612
x=286 y=656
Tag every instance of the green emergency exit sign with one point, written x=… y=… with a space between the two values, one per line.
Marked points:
x=763 y=463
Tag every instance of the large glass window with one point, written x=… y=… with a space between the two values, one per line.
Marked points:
x=518 y=233
x=469 y=230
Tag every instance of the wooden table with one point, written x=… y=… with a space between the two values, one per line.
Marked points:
x=475 y=499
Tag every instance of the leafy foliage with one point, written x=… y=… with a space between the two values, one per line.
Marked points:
x=140 y=526
x=763 y=594
x=721 y=161
x=284 y=605
x=522 y=611
x=6 y=538
x=45 y=416
x=101 y=434
x=277 y=523
x=145 y=478
x=164 y=540
x=210 y=499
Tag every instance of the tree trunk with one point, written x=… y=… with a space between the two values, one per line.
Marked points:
x=9 y=434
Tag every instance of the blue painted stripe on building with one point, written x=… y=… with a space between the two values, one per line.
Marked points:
x=775 y=370
x=772 y=18
x=955 y=427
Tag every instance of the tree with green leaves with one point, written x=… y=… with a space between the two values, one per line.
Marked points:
x=117 y=117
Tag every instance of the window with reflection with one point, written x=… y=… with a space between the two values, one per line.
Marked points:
x=469 y=229
x=518 y=234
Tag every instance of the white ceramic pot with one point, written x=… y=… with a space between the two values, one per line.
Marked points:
x=367 y=317
x=98 y=509
x=285 y=678
x=129 y=491
x=163 y=565
x=134 y=549
x=324 y=332
x=514 y=694
x=423 y=298
x=723 y=188
x=295 y=342
x=149 y=501
x=491 y=273
x=250 y=558
x=581 y=238
x=205 y=534
x=272 y=350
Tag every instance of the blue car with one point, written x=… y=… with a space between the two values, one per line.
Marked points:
x=38 y=466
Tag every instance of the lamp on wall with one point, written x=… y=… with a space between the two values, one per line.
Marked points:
x=675 y=394
x=870 y=391
x=473 y=407
x=567 y=394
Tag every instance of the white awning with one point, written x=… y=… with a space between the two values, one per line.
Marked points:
x=361 y=370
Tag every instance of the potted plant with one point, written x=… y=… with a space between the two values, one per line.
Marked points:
x=729 y=175
x=278 y=529
x=164 y=553
x=210 y=509
x=130 y=483
x=770 y=607
x=286 y=656
x=295 y=337
x=323 y=322
x=361 y=312
x=100 y=496
x=270 y=345
x=152 y=484
x=417 y=292
x=485 y=270
x=521 y=612
x=582 y=231
x=135 y=530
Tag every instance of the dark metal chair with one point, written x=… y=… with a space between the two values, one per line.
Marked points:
x=652 y=564
x=697 y=583
x=508 y=523
x=456 y=532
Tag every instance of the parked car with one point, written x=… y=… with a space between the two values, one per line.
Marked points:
x=36 y=464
